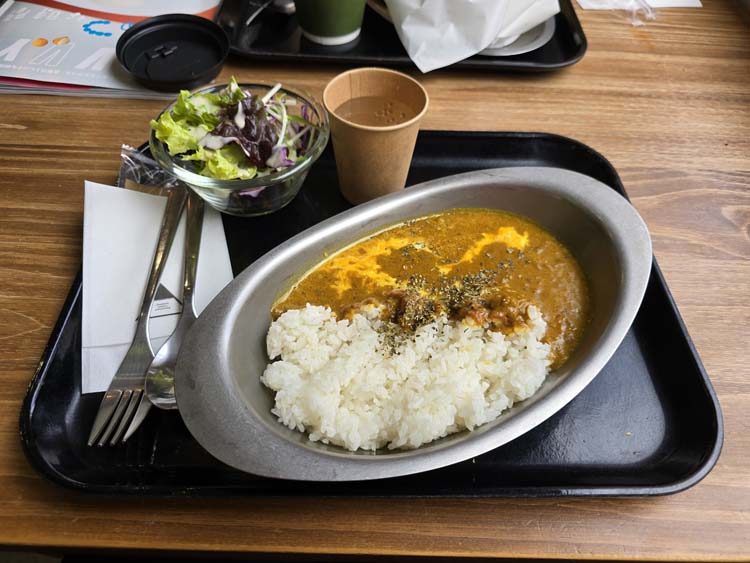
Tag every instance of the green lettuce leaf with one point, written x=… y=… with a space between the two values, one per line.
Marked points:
x=199 y=155
x=179 y=136
x=227 y=163
x=198 y=109
x=232 y=93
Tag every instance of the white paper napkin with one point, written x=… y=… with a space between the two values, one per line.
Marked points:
x=437 y=33
x=120 y=232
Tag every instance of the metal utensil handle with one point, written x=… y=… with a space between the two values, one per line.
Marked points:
x=194 y=229
x=258 y=10
x=175 y=202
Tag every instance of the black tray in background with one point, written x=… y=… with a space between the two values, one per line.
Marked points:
x=277 y=38
x=648 y=424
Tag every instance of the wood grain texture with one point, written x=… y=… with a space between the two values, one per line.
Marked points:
x=668 y=104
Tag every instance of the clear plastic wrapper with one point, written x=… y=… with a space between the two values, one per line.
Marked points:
x=637 y=12
x=136 y=167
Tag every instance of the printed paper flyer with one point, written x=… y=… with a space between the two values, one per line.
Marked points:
x=74 y=42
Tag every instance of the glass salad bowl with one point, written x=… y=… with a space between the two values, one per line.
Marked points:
x=274 y=185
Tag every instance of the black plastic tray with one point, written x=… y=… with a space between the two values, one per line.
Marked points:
x=277 y=37
x=648 y=424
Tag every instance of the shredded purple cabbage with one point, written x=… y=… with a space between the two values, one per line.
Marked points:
x=257 y=138
x=252 y=193
x=279 y=158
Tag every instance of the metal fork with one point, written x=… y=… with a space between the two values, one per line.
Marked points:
x=159 y=387
x=124 y=405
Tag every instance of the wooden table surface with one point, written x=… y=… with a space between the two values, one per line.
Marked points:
x=668 y=104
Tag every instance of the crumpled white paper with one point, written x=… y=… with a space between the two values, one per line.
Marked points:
x=438 y=33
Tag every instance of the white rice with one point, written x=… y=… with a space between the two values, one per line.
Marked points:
x=339 y=381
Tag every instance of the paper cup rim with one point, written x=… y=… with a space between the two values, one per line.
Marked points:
x=375 y=128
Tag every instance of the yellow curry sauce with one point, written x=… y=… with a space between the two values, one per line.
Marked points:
x=480 y=263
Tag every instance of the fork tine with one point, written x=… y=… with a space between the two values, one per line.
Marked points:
x=116 y=416
x=125 y=421
x=106 y=408
x=140 y=415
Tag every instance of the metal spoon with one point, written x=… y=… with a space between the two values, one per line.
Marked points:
x=281 y=6
x=257 y=12
x=160 y=374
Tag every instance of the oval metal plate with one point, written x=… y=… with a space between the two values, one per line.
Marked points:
x=228 y=410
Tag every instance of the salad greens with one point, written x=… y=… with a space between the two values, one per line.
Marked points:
x=235 y=134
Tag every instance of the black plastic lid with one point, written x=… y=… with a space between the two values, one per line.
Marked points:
x=173 y=51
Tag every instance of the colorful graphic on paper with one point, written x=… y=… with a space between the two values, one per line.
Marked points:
x=74 y=42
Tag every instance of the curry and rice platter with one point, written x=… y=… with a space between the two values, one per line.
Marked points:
x=418 y=330
x=426 y=328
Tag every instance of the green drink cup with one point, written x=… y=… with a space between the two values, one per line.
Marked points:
x=330 y=22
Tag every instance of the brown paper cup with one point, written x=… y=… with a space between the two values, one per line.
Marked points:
x=373 y=161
